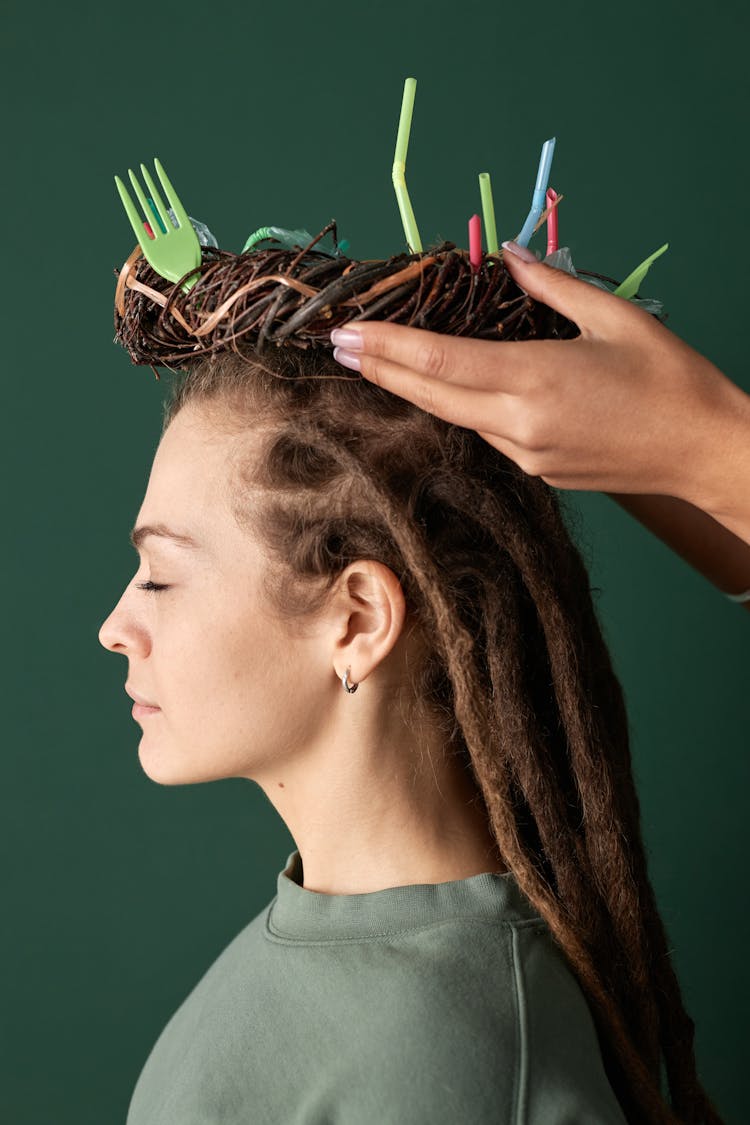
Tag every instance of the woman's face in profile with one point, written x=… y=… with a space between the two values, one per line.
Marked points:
x=236 y=695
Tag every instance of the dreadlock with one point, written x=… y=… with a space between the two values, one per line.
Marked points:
x=516 y=670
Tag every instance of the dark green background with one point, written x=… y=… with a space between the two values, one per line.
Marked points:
x=118 y=893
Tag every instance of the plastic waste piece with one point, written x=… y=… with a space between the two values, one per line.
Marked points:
x=157 y=216
x=203 y=233
x=634 y=279
x=562 y=260
x=294 y=239
x=540 y=191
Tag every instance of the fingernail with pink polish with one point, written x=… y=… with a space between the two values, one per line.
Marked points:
x=521 y=252
x=348 y=359
x=347 y=338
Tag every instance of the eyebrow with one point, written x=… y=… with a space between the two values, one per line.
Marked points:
x=138 y=534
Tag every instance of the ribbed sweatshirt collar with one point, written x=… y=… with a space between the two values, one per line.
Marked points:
x=298 y=913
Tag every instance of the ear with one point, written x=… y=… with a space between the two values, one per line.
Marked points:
x=368 y=618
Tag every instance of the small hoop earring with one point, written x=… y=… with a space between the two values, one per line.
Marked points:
x=347 y=686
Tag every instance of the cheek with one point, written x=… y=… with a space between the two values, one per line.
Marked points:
x=240 y=698
x=226 y=668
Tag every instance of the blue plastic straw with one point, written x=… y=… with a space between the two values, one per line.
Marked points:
x=540 y=190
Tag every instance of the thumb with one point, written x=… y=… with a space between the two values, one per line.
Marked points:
x=586 y=305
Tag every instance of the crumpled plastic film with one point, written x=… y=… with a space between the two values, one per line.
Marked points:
x=294 y=239
x=562 y=260
x=204 y=234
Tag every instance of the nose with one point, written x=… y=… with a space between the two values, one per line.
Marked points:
x=109 y=633
x=120 y=631
x=105 y=636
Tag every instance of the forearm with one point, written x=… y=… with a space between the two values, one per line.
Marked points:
x=713 y=550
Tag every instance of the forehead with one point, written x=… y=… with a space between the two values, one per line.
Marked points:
x=191 y=455
x=187 y=490
x=192 y=485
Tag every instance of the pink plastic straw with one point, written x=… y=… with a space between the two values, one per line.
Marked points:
x=475 y=241
x=551 y=222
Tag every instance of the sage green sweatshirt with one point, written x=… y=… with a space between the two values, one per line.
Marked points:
x=428 y=1004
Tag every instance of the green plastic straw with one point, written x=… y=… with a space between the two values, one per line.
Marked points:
x=488 y=212
x=398 y=174
x=157 y=216
x=630 y=285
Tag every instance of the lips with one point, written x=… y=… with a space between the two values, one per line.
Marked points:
x=138 y=698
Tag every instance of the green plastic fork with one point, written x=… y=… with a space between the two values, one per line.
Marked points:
x=172 y=254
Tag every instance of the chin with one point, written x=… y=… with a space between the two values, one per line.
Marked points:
x=167 y=769
x=169 y=759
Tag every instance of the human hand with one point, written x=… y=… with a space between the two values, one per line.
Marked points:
x=626 y=407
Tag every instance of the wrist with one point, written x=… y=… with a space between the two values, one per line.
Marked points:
x=718 y=475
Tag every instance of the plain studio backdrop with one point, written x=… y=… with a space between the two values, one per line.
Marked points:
x=117 y=892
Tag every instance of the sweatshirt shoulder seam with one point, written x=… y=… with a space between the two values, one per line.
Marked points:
x=520 y=1116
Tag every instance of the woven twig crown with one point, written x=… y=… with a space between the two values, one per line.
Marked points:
x=279 y=297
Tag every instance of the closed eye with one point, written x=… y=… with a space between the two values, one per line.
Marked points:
x=150 y=587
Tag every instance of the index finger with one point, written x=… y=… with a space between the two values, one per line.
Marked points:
x=465 y=361
x=469 y=407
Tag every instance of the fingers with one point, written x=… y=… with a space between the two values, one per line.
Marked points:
x=594 y=310
x=508 y=447
x=504 y=366
x=470 y=407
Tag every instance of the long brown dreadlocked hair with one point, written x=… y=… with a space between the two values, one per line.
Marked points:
x=518 y=665
x=515 y=667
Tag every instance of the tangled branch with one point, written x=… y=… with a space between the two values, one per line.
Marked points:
x=279 y=297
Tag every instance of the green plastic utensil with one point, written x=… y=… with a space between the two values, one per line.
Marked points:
x=172 y=254
x=629 y=287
